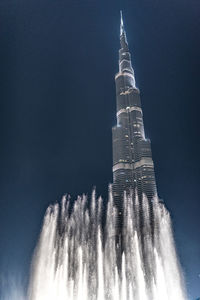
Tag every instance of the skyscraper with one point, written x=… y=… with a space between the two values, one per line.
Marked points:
x=133 y=167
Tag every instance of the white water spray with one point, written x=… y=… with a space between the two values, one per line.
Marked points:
x=76 y=260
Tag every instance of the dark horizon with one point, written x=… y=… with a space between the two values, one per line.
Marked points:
x=58 y=62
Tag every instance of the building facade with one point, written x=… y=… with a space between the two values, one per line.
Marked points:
x=133 y=167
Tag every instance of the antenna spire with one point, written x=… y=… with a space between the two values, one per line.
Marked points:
x=121 y=24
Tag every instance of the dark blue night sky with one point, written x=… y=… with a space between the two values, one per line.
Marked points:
x=57 y=106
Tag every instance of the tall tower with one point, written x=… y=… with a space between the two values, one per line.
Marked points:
x=133 y=166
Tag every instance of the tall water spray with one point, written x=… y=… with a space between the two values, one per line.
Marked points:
x=77 y=259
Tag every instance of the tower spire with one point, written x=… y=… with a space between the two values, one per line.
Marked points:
x=122 y=23
x=123 y=39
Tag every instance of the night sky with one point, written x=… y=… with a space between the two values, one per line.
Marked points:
x=58 y=59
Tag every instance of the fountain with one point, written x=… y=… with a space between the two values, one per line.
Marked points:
x=78 y=258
